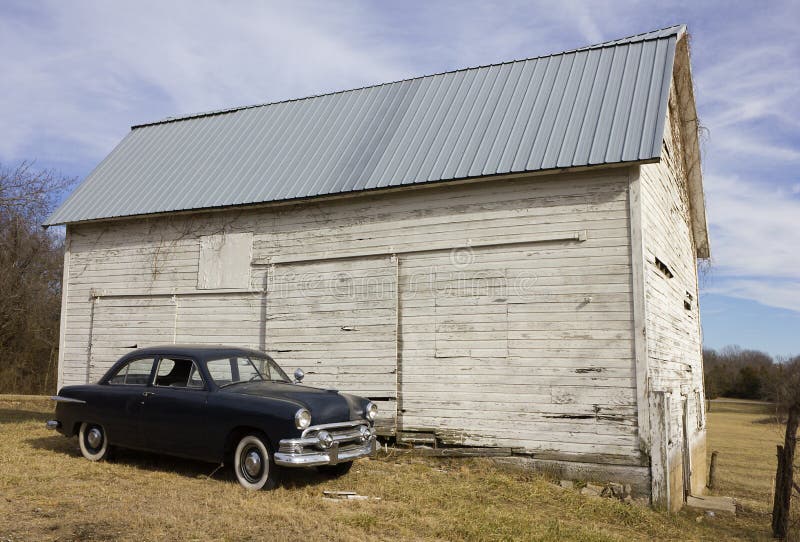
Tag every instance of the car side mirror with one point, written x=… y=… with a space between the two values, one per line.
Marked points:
x=299 y=375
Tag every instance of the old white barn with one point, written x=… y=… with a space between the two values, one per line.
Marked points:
x=502 y=256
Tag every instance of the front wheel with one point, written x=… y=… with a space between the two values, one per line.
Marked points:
x=253 y=464
x=93 y=442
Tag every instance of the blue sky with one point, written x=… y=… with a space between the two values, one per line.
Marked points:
x=77 y=75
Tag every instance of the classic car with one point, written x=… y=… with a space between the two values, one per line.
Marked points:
x=219 y=404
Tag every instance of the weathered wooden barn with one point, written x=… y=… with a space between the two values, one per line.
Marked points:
x=502 y=256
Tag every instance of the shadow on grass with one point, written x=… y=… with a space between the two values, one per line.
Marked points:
x=188 y=468
x=12 y=415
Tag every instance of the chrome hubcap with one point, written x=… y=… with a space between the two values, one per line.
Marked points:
x=94 y=437
x=252 y=463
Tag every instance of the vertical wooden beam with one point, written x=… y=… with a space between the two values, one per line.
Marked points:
x=639 y=308
x=62 y=331
x=398 y=345
x=175 y=320
x=262 y=330
x=651 y=407
x=659 y=457
x=93 y=302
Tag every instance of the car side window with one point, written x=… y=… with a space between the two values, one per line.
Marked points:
x=133 y=373
x=178 y=373
x=220 y=370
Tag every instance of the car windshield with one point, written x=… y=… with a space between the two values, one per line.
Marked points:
x=237 y=369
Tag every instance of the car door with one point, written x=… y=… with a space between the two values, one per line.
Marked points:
x=122 y=401
x=174 y=411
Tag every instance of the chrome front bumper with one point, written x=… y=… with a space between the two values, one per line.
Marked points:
x=349 y=443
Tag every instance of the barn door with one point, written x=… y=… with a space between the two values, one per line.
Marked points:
x=120 y=324
x=337 y=320
x=454 y=344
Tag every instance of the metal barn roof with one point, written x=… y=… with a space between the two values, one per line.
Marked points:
x=602 y=104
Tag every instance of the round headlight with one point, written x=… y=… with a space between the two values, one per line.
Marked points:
x=302 y=419
x=325 y=439
x=371 y=411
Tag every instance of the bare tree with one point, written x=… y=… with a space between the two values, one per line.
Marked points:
x=30 y=278
x=788 y=397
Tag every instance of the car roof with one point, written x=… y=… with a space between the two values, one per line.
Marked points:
x=201 y=352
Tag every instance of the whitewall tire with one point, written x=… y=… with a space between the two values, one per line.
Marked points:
x=253 y=464
x=93 y=442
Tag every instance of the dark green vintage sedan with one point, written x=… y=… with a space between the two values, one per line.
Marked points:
x=220 y=404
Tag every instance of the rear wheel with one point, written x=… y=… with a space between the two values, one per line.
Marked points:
x=253 y=464
x=93 y=442
x=334 y=471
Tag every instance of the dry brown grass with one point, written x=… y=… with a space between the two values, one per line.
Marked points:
x=48 y=492
x=745 y=433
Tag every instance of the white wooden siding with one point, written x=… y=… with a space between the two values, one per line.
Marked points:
x=120 y=324
x=220 y=318
x=674 y=341
x=492 y=313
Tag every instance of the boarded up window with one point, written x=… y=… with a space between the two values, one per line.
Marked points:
x=225 y=261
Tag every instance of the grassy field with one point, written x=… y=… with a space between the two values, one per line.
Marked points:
x=48 y=492
x=745 y=433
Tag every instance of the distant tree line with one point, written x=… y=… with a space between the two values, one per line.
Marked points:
x=31 y=260
x=743 y=374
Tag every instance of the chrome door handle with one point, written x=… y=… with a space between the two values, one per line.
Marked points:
x=147 y=393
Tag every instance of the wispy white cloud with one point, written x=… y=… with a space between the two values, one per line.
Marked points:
x=748 y=99
x=784 y=294
x=754 y=231
x=78 y=74
x=731 y=141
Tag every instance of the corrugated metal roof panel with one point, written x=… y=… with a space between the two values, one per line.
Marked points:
x=596 y=105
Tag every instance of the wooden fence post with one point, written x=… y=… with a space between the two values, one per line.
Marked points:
x=784 y=476
x=712 y=470
x=780 y=520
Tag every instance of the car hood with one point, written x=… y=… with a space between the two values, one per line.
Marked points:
x=325 y=406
